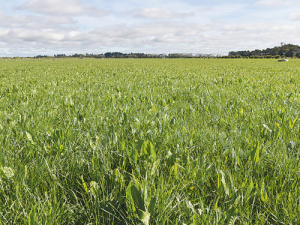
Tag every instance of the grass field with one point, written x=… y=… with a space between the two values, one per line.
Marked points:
x=149 y=141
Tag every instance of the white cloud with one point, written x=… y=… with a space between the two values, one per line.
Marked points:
x=153 y=29
x=70 y=26
x=250 y=36
x=61 y=7
x=275 y=3
x=153 y=37
x=34 y=21
x=258 y=27
x=295 y=16
x=158 y=13
x=149 y=37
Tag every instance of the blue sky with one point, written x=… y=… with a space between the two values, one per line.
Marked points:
x=33 y=27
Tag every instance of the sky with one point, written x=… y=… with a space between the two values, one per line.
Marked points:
x=48 y=27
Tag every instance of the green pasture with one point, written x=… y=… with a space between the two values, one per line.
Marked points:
x=149 y=141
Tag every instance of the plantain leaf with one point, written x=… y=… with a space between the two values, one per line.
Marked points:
x=137 y=198
x=150 y=150
x=263 y=193
x=255 y=155
x=29 y=137
x=249 y=189
x=224 y=183
x=154 y=167
x=129 y=200
x=131 y=152
x=151 y=206
x=144 y=216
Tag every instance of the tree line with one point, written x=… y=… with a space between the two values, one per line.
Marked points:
x=133 y=55
x=282 y=51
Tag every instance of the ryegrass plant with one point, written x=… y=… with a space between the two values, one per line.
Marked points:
x=119 y=141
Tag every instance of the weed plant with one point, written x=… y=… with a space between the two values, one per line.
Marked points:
x=149 y=141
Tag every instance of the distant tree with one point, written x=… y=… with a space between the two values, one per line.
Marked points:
x=289 y=54
x=284 y=50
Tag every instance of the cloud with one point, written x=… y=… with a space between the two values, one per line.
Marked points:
x=147 y=37
x=275 y=3
x=34 y=22
x=24 y=35
x=250 y=36
x=153 y=29
x=150 y=37
x=158 y=13
x=258 y=27
x=70 y=26
x=61 y=7
x=295 y=16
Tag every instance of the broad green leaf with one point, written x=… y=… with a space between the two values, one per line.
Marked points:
x=94 y=186
x=144 y=216
x=255 y=155
x=151 y=206
x=249 y=189
x=137 y=198
x=118 y=176
x=263 y=193
x=7 y=171
x=150 y=149
x=29 y=137
x=224 y=183
x=131 y=152
x=84 y=185
x=174 y=169
x=154 y=167
x=129 y=200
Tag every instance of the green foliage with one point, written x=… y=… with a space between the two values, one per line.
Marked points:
x=285 y=50
x=149 y=141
